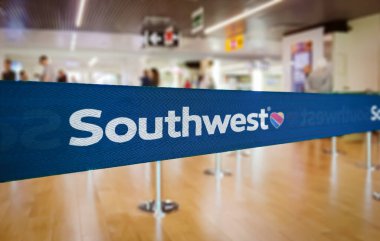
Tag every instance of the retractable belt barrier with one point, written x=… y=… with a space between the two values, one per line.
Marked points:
x=53 y=128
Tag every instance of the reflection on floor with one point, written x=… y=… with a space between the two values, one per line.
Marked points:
x=286 y=192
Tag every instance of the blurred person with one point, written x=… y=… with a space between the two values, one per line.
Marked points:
x=154 y=77
x=8 y=73
x=62 y=77
x=199 y=81
x=23 y=76
x=188 y=84
x=145 y=81
x=48 y=70
x=203 y=83
x=320 y=79
x=211 y=83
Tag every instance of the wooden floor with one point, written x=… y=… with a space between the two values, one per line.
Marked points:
x=285 y=192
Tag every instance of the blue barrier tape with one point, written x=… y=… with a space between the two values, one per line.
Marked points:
x=53 y=128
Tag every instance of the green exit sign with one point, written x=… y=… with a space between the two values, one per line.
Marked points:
x=197 y=20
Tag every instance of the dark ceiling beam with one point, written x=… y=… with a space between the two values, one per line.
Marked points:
x=328 y=27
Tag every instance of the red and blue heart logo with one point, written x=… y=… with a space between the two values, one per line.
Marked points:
x=277 y=118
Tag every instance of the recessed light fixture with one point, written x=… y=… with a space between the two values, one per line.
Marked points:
x=79 y=19
x=92 y=61
x=241 y=16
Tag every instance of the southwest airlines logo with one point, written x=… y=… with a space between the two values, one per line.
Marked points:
x=176 y=126
x=277 y=118
x=375 y=111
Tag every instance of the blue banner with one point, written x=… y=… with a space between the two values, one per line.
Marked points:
x=53 y=128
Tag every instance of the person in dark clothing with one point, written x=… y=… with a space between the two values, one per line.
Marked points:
x=145 y=81
x=48 y=73
x=23 y=76
x=8 y=74
x=154 y=77
x=62 y=78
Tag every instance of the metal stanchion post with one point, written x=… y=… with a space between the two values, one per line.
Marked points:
x=368 y=162
x=238 y=155
x=334 y=147
x=218 y=170
x=369 y=150
x=238 y=173
x=376 y=195
x=158 y=206
x=158 y=210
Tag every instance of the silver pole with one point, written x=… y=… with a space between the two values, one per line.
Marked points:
x=334 y=146
x=368 y=153
x=218 y=165
x=238 y=155
x=369 y=150
x=158 y=208
x=238 y=171
x=376 y=195
x=218 y=169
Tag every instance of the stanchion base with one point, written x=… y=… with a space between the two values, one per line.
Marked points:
x=243 y=153
x=376 y=196
x=328 y=151
x=365 y=166
x=212 y=172
x=167 y=206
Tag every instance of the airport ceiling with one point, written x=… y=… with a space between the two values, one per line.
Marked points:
x=126 y=16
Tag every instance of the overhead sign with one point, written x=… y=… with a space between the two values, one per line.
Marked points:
x=62 y=128
x=197 y=20
x=234 y=29
x=167 y=38
x=234 y=43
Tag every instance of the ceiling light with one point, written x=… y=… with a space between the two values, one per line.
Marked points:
x=93 y=61
x=78 y=21
x=241 y=16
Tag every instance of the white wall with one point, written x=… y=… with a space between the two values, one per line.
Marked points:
x=132 y=70
x=316 y=36
x=273 y=80
x=217 y=75
x=356 y=56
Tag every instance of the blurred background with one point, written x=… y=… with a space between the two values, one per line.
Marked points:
x=298 y=191
x=262 y=45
